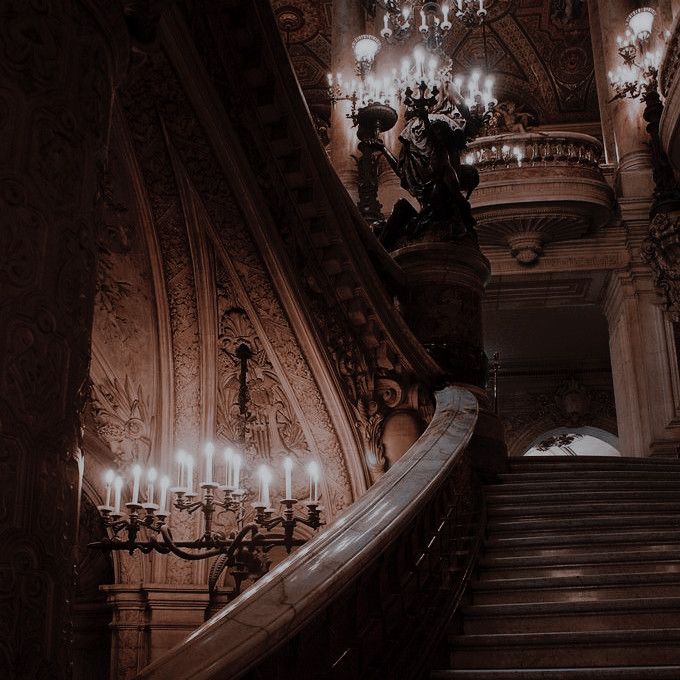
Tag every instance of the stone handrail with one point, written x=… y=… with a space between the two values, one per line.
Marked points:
x=377 y=572
x=534 y=148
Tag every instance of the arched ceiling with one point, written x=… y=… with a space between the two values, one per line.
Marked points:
x=539 y=51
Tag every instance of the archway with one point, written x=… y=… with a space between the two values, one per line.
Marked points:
x=574 y=441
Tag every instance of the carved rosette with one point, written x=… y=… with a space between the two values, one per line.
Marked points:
x=661 y=251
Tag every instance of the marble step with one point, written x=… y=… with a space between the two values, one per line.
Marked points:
x=571 y=497
x=555 y=617
x=568 y=484
x=576 y=588
x=612 y=673
x=585 y=558
x=644 y=647
x=593 y=465
x=581 y=508
x=612 y=536
x=587 y=475
x=531 y=526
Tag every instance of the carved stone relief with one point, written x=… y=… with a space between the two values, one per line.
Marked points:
x=661 y=251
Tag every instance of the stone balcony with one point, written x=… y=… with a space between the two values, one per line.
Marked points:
x=537 y=188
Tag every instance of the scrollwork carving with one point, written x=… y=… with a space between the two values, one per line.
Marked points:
x=661 y=251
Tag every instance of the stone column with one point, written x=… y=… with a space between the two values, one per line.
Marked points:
x=634 y=178
x=644 y=356
x=59 y=62
x=443 y=307
x=348 y=21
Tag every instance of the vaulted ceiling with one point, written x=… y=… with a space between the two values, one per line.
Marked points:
x=539 y=51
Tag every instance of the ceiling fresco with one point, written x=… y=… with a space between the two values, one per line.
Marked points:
x=538 y=50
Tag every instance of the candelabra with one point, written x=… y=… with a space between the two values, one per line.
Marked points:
x=400 y=20
x=637 y=76
x=242 y=544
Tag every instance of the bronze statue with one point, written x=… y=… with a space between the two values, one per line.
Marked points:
x=429 y=166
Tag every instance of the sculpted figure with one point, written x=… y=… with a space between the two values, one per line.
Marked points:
x=429 y=166
x=512 y=119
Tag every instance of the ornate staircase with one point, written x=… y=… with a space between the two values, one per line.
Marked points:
x=579 y=576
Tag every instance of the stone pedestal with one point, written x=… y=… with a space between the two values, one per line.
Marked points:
x=443 y=307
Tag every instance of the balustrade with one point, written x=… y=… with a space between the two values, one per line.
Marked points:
x=536 y=188
x=372 y=595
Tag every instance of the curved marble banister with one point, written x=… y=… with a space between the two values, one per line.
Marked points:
x=378 y=275
x=280 y=605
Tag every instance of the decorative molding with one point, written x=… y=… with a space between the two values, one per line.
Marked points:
x=661 y=251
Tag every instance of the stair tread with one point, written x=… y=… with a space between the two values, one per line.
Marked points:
x=592 y=673
x=590 y=637
x=594 y=606
x=586 y=581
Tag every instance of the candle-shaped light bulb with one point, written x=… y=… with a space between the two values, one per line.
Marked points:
x=265 y=477
x=288 y=470
x=189 y=463
x=228 y=467
x=136 y=475
x=209 y=453
x=236 y=474
x=423 y=22
x=117 y=486
x=460 y=5
x=386 y=20
x=313 y=470
x=329 y=76
x=406 y=12
x=165 y=483
x=481 y=7
x=151 y=476
x=181 y=469
x=108 y=480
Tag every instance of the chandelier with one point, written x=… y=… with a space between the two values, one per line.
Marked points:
x=431 y=19
x=242 y=544
x=638 y=74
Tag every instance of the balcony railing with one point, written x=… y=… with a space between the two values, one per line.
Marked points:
x=537 y=188
x=372 y=595
x=535 y=149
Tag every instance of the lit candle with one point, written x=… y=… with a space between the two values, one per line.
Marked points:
x=165 y=482
x=189 y=462
x=136 y=474
x=265 y=478
x=108 y=479
x=313 y=470
x=117 y=485
x=228 y=463
x=209 y=452
x=288 y=470
x=150 y=479
x=236 y=470
x=181 y=460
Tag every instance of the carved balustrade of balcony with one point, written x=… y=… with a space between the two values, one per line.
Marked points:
x=537 y=188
